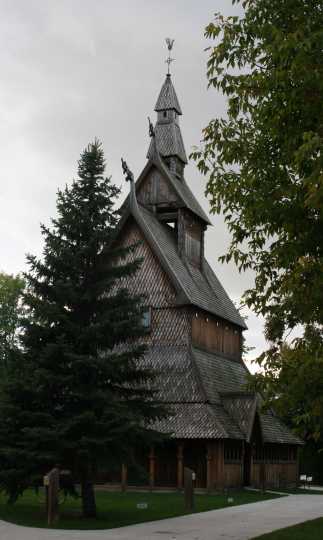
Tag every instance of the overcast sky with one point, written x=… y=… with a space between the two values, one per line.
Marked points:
x=73 y=70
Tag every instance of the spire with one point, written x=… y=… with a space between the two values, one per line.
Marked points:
x=168 y=138
x=167 y=99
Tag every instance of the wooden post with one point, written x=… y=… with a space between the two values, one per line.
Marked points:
x=243 y=452
x=152 y=459
x=220 y=464
x=189 y=477
x=179 y=466
x=124 y=477
x=209 y=467
x=253 y=477
x=51 y=482
x=297 y=484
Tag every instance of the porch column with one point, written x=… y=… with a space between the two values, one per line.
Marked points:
x=179 y=466
x=124 y=477
x=152 y=459
x=220 y=464
x=253 y=479
x=209 y=466
x=243 y=453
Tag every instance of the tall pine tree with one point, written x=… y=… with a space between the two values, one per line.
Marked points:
x=78 y=394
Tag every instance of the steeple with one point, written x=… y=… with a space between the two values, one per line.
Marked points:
x=168 y=137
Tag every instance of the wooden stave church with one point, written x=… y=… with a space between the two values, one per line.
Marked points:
x=194 y=336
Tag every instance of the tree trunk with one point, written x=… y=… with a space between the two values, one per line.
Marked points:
x=88 y=499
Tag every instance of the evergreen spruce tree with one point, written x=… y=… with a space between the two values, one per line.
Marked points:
x=78 y=394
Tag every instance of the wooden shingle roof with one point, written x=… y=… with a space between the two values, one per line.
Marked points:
x=167 y=98
x=207 y=397
x=169 y=141
x=199 y=287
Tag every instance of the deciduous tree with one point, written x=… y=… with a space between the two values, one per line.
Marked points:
x=11 y=288
x=264 y=167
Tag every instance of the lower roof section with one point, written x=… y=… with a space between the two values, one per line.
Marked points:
x=207 y=397
x=198 y=421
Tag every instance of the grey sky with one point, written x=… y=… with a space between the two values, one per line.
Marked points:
x=72 y=70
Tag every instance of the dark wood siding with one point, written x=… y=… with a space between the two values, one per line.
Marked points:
x=156 y=190
x=216 y=335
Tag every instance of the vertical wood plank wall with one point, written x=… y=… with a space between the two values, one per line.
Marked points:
x=276 y=474
x=216 y=335
x=156 y=190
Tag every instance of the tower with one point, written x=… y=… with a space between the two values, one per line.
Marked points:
x=168 y=137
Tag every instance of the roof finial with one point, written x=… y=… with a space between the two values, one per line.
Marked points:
x=151 y=128
x=126 y=171
x=130 y=178
x=170 y=43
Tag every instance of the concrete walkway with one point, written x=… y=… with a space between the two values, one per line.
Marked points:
x=236 y=523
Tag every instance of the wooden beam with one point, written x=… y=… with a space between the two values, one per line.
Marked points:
x=167 y=216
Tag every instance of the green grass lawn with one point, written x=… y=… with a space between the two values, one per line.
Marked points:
x=310 y=530
x=118 y=509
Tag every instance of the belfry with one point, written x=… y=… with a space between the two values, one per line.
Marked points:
x=194 y=335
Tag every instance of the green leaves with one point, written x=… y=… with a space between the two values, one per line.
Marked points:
x=264 y=160
x=11 y=289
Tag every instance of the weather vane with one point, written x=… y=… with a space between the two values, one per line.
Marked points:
x=169 y=43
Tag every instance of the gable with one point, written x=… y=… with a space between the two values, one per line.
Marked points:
x=155 y=189
x=184 y=195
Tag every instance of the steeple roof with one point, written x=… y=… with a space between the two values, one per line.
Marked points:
x=167 y=98
x=169 y=141
x=168 y=137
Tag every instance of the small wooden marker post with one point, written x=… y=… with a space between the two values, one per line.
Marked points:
x=51 y=482
x=189 y=478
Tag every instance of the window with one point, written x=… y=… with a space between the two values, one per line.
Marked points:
x=165 y=114
x=146 y=318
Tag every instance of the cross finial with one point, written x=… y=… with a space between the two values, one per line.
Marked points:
x=169 y=60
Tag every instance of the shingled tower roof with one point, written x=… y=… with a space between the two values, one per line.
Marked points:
x=167 y=98
x=168 y=135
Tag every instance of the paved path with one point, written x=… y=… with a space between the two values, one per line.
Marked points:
x=236 y=523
